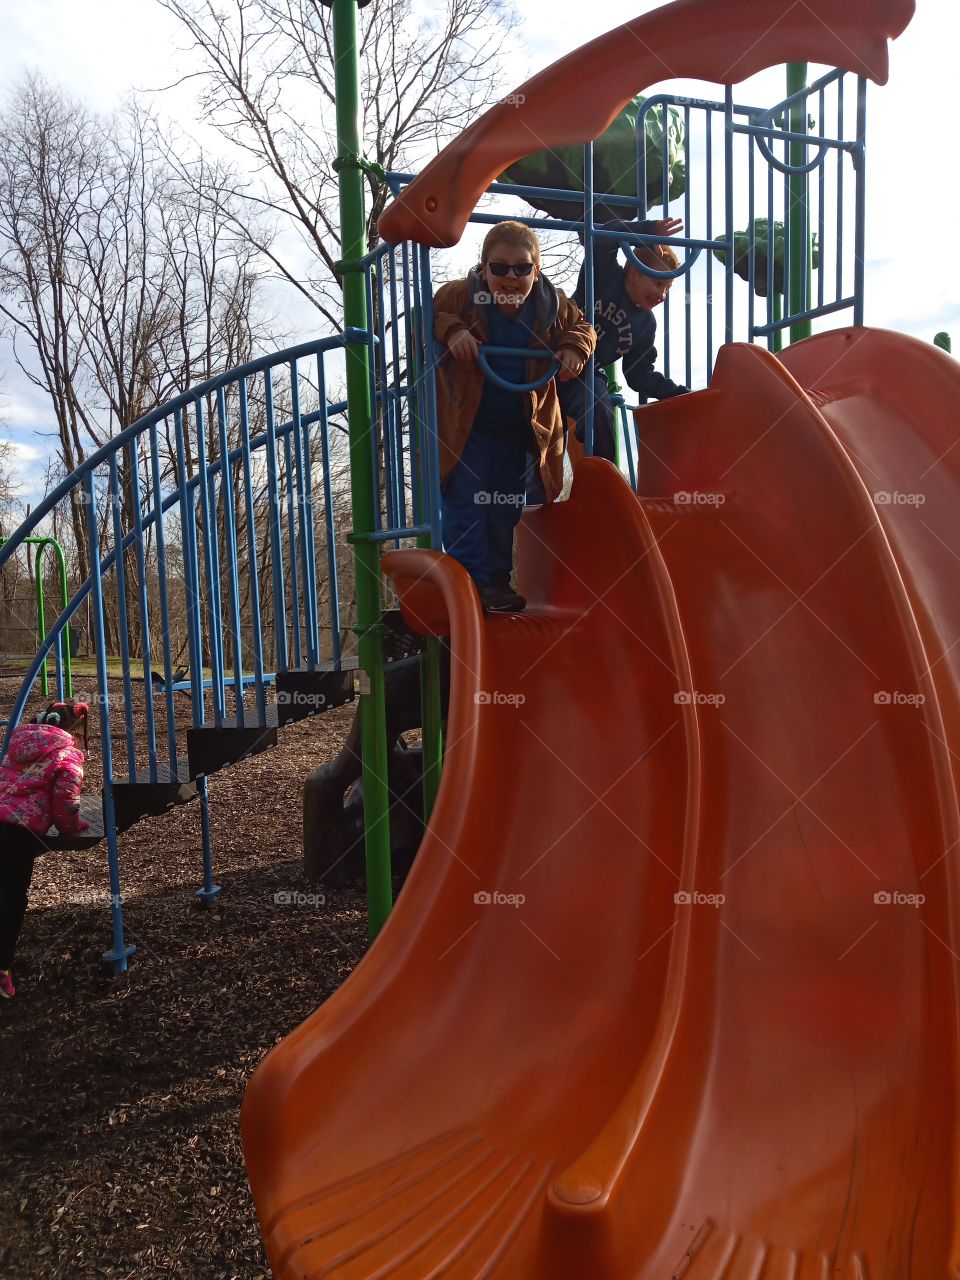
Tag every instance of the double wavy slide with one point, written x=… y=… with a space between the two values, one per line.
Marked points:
x=671 y=990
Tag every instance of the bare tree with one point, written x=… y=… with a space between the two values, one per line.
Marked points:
x=8 y=489
x=267 y=85
x=120 y=283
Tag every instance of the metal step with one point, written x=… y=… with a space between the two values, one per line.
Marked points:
x=213 y=747
x=91 y=810
x=131 y=802
x=144 y=799
x=302 y=692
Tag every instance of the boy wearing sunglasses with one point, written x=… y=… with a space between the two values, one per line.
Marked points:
x=487 y=432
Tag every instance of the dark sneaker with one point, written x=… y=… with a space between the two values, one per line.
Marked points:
x=7 y=989
x=500 y=598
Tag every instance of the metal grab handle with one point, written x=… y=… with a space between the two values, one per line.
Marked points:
x=668 y=273
x=503 y=383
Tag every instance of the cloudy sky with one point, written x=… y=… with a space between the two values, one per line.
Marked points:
x=98 y=49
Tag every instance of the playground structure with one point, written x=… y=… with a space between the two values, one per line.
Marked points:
x=230 y=505
x=706 y=1046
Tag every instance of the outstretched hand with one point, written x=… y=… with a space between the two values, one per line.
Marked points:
x=666 y=226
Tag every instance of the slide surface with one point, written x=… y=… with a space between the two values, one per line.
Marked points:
x=671 y=990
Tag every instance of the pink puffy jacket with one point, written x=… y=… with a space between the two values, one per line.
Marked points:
x=40 y=780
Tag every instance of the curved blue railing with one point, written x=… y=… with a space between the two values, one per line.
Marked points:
x=202 y=523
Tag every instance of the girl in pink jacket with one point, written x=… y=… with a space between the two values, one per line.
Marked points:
x=41 y=777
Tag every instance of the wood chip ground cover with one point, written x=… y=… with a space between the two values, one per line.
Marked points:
x=120 y=1147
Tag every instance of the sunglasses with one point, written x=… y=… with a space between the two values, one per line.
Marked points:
x=519 y=269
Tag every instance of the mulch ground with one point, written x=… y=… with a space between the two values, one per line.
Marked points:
x=120 y=1149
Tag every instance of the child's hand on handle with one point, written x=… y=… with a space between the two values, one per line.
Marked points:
x=571 y=364
x=462 y=345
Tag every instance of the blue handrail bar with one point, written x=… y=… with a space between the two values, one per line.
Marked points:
x=158 y=414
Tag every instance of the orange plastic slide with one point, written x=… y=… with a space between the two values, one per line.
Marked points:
x=575 y=99
x=671 y=989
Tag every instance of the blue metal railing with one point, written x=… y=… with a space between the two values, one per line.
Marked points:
x=171 y=570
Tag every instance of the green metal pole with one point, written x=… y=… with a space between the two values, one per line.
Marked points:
x=41 y=612
x=376 y=795
x=65 y=662
x=613 y=386
x=801 y=259
x=65 y=658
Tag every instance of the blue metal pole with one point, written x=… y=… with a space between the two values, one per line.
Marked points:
x=133 y=462
x=430 y=398
x=119 y=955
x=211 y=566
x=728 y=210
x=308 y=551
x=116 y=502
x=230 y=537
x=164 y=600
x=209 y=890
x=859 y=159
x=588 y=293
x=292 y=545
x=329 y=521
x=252 y=569
x=191 y=590
x=276 y=545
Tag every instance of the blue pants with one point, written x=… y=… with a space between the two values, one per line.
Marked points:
x=482 y=501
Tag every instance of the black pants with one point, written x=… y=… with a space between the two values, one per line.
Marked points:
x=18 y=849
x=573 y=404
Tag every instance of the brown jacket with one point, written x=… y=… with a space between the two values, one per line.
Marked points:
x=558 y=323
